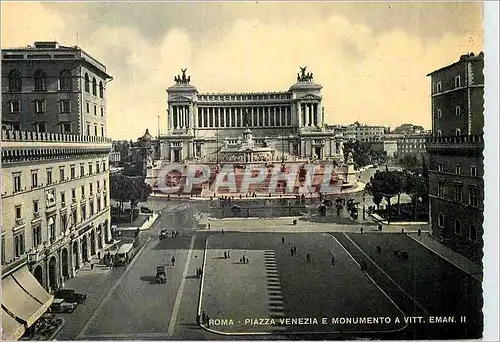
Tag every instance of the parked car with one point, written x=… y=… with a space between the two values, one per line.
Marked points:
x=59 y=305
x=71 y=296
x=161 y=275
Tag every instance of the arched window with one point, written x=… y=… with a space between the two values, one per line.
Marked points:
x=65 y=80
x=101 y=90
x=94 y=86
x=40 y=80
x=472 y=233
x=458 y=227
x=15 y=83
x=441 y=220
x=87 y=83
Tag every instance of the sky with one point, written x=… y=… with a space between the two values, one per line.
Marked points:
x=371 y=58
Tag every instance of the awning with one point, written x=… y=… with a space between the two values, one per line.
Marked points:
x=31 y=285
x=12 y=330
x=20 y=303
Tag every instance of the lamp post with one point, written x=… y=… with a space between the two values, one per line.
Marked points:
x=364 y=208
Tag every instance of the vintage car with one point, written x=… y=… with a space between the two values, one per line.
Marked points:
x=71 y=296
x=163 y=234
x=161 y=275
x=59 y=305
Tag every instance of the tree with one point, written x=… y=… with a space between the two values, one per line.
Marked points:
x=129 y=189
x=386 y=184
x=399 y=180
x=416 y=187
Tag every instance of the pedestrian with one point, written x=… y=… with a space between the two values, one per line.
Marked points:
x=333 y=260
x=225 y=255
x=294 y=249
x=173 y=261
x=241 y=260
x=247 y=260
x=419 y=232
x=402 y=230
x=209 y=226
x=203 y=317
x=291 y=251
x=228 y=255
x=208 y=322
x=91 y=266
x=379 y=249
x=283 y=240
x=361 y=230
x=222 y=231
x=198 y=319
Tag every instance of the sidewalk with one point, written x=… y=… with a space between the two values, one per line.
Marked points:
x=454 y=258
x=378 y=218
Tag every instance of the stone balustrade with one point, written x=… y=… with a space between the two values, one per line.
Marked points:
x=11 y=135
x=462 y=139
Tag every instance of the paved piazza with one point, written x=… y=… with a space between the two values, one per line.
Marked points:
x=275 y=285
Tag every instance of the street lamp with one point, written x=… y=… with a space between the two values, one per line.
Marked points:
x=364 y=208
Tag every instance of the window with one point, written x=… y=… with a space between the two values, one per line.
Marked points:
x=458 y=132
x=458 y=84
x=458 y=192
x=19 y=212
x=52 y=229
x=15 y=83
x=73 y=216
x=65 y=127
x=83 y=191
x=65 y=80
x=98 y=204
x=98 y=186
x=17 y=182
x=49 y=176
x=95 y=110
x=40 y=106
x=440 y=220
x=441 y=189
x=473 y=196
x=472 y=233
x=91 y=187
x=73 y=194
x=34 y=179
x=84 y=212
x=101 y=90
x=35 y=207
x=88 y=108
x=15 y=106
x=41 y=127
x=97 y=167
x=457 y=111
x=102 y=131
x=103 y=166
x=440 y=133
x=37 y=236
x=40 y=80
x=88 y=129
x=64 y=106
x=439 y=113
x=64 y=223
x=87 y=83
x=473 y=170
x=91 y=208
x=104 y=184
x=63 y=197
x=458 y=227
x=72 y=172
x=61 y=174
x=95 y=130
x=439 y=87
x=90 y=168
x=19 y=245
x=105 y=201
x=94 y=86
x=458 y=169
x=82 y=170
x=102 y=111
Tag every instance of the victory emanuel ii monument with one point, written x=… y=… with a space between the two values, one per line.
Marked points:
x=247 y=127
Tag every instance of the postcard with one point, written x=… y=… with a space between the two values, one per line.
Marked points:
x=244 y=170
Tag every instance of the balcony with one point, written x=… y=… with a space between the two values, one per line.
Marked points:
x=36 y=255
x=19 y=222
x=36 y=217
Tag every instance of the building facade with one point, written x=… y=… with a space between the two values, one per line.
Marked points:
x=364 y=133
x=413 y=144
x=56 y=89
x=55 y=175
x=456 y=166
x=210 y=127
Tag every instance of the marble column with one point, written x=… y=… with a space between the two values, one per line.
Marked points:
x=221 y=117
